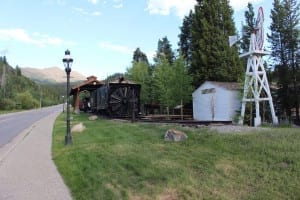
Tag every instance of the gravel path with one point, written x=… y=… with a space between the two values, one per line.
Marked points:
x=235 y=129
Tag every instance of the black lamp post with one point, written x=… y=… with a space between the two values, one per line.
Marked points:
x=67 y=60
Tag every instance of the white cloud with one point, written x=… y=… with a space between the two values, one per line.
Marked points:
x=241 y=4
x=150 y=54
x=37 y=39
x=164 y=7
x=15 y=34
x=96 y=13
x=116 y=48
x=80 y=10
x=55 y=2
x=3 y=52
x=118 y=3
x=182 y=8
x=86 y=13
x=93 y=1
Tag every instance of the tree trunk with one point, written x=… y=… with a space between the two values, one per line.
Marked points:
x=168 y=112
x=181 y=109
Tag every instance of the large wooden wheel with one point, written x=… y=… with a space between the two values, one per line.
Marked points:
x=123 y=101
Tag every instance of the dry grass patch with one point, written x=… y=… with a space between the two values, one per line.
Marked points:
x=168 y=194
x=226 y=167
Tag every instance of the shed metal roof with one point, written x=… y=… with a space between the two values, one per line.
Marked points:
x=226 y=85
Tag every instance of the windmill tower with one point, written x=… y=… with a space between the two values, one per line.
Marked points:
x=256 y=87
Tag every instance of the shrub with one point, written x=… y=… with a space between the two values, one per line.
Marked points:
x=7 y=104
x=26 y=100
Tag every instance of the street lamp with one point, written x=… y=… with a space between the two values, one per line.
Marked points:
x=63 y=101
x=67 y=60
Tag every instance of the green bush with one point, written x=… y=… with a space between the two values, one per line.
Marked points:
x=26 y=100
x=7 y=104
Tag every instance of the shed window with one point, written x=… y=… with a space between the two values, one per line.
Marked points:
x=208 y=91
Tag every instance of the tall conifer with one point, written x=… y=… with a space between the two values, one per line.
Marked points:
x=247 y=28
x=212 y=58
x=185 y=38
x=164 y=51
x=284 y=45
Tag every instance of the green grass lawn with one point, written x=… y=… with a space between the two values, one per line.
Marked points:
x=118 y=160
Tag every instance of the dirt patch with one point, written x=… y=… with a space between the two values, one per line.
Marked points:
x=135 y=197
x=169 y=194
x=114 y=189
x=235 y=129
x=225 y=166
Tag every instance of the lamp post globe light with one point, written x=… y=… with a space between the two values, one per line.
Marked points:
x=67 y=60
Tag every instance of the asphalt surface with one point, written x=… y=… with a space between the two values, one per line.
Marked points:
x=12 y=124
x=27 y=171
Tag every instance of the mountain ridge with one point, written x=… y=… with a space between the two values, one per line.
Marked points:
x=50 y=75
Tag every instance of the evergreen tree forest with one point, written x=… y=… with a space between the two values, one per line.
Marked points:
x=204 y=55
x=284 y=40
x=19 y=92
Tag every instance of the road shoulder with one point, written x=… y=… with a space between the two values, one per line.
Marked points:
x=26 y=165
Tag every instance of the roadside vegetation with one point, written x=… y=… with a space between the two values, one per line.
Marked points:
x=18 y=92
x=122 y=160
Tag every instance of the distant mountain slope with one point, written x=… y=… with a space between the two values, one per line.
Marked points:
x=20 y=92
x=50 y=75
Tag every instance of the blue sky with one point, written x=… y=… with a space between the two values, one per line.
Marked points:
x=101 y=34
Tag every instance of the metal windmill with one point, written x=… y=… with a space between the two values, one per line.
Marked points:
x=256 y=87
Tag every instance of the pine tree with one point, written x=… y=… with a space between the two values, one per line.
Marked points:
x=248 y=28
x=164 y=50
x=212 y=58
x=284 y=45
x=139 y=56
x=292 y=8
x=18 y=71
x=185 y=38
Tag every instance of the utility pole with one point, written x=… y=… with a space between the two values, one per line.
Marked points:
x=3 y=80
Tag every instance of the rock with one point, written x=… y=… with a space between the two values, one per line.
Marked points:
x=93 y=117
x=78 y=128
x=175 y=135
x=200 y=126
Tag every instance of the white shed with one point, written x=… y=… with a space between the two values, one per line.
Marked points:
x=216 y=101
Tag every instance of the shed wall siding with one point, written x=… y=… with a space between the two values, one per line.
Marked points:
x=225 y=103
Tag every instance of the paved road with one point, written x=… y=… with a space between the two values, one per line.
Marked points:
x=27 y=170
x=12 y=124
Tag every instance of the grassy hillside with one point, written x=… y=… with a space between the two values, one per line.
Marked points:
x=19 y=92
x=117 y=160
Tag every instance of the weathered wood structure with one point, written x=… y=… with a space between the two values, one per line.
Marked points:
x=119 y=98
x=89 y=85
